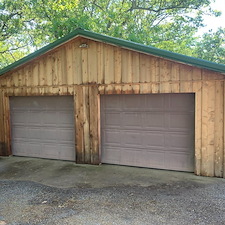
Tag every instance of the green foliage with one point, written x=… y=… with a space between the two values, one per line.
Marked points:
x=168 y=24
x=211 y=46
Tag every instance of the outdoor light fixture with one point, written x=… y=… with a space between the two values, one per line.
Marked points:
x=83 y=45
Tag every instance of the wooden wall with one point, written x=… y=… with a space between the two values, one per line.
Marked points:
x=99 y=69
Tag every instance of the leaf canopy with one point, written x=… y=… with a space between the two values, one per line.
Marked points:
x=168 y=24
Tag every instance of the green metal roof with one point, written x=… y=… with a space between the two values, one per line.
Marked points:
x=123 y=43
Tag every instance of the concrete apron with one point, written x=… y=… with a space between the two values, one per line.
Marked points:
x=64 y=174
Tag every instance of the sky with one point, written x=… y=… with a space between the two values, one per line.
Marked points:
x=215 y=22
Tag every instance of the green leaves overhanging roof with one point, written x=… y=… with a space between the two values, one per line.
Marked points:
x=123 y=43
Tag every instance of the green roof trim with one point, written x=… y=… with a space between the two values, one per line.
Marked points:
x=122 y=43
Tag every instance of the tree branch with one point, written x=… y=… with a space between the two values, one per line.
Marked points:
x=176 y=6
x=12 y=49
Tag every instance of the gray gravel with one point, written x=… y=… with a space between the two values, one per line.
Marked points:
x=186 y=200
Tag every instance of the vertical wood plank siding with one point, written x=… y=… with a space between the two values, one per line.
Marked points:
x=3 y=148
x=99 y=69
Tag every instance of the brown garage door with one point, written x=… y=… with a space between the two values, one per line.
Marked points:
x=43 y=127
x=155 y=130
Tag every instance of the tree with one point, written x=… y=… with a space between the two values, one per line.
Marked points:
x=14 y=25
x=30 y=24
x=211 y=46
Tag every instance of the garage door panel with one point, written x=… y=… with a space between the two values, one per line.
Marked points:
x=53 y=150
x=51 y=134
x=142 y=158
x=113 y=119
x=112 y=137
x=133 y=103
x=154 y=102
x=153 y=139
x=34 y=118
x=132 y=139
x=49 y=117
x=46 y=127
x=65 y=105
x=155 y=157
x=112 y=155
x=113 y=103
x=20 y=132
x=154 y=121
x=19 y=117
x=65 y=119
x=179 y=140
x=128 y=156
x=68 y=152
x=34 y=148
x=17 y=104
x=177 y=102
x=131 y=120
x=33 y=133
x=179 y=161
x=21 y=147
x=35 y=104
x=180 y=121
x=149 y=130
x=66 y=135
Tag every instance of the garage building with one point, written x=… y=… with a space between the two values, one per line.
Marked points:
x=91 y=98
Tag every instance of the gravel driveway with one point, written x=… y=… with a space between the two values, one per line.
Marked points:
x=37 y=191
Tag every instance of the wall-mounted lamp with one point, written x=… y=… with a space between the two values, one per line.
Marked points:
x=83 y=45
